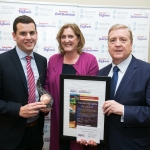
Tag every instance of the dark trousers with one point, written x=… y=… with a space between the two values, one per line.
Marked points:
x=32 y=139
x=64 y=144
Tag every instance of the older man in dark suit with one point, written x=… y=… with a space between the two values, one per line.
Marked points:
x=129 y=105
x=21 y=115
x=128 y=109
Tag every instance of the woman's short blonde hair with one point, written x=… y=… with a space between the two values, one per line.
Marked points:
x=121 y=26
x=77 y=32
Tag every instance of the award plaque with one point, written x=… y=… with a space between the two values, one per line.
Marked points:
x=81 y=101
x=45 y=96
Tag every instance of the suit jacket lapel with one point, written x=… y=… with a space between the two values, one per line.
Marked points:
x=128 y=76
x=105 y=71
x=17 y=63
x=38 y=63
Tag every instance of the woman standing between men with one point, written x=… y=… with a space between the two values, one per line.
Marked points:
x=71 y=60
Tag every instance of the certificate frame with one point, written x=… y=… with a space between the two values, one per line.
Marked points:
x=98 y=85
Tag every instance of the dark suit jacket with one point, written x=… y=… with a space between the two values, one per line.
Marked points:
x=134 y=93
x=13 y=95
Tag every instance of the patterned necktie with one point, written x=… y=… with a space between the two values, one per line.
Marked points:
x=31 y=81
x=114 y=80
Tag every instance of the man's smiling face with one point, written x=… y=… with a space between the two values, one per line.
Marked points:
x=119 y=45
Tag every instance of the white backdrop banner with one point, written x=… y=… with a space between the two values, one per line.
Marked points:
x=94 y=22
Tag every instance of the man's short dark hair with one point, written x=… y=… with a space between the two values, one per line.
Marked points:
x=22 y=19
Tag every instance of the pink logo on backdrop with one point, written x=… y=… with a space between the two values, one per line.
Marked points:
x=85 y=25
x=4 y=22
x=139 y=16
x=45 y=24
x=89 y=49
x=24 y=10
x=141 y=38
x=48 y=48
x=103 y=60
x=103 y=38
x=64 y=13
x=104 y=14
x=5 y=48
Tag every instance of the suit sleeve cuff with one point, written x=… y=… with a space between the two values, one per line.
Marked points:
x=122 y=117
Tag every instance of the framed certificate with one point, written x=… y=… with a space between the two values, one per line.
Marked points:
x=81 y=101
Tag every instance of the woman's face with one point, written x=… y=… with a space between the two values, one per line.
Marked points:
x=69 y=41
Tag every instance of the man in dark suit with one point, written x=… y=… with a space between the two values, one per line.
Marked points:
x=21 y=123
x=129 y=110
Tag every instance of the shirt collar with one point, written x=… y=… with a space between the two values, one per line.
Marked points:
x=123 y=65
x=22 y=54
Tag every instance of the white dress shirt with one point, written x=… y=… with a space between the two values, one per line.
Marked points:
x=122 y=69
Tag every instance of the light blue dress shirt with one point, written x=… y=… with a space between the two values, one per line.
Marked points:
x=22 y=56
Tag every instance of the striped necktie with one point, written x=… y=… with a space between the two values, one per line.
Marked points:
x=31 y=81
